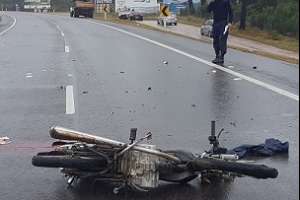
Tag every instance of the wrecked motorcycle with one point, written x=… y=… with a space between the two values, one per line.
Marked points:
x=140 y=166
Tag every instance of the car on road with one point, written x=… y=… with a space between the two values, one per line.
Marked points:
x=206 y=28
x=168 y=21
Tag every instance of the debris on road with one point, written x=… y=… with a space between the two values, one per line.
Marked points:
x=149 y=88
x=165 y=62
x=194 y=105
x=254 y=67
x=269 y=148
x=4 y=140
x=122 y=72
x=85 y=92
x=233 y=124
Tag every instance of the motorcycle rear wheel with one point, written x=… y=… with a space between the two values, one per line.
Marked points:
x=67 y=161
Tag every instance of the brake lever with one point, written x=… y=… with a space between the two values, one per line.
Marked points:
x=148 y=136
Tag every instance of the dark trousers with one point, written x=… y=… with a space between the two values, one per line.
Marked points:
x=219 y=38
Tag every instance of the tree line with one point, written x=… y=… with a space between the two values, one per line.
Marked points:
x=278 y=16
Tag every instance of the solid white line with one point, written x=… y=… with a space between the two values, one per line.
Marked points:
x=67 y=49
x=10 y=27
x=247 y=78
x=70 y=104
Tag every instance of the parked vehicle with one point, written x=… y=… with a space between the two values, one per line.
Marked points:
x=207 y=28
x=130 y=14
x=82 y=8
x=141 y=166
x=124 y=14
x=133 y=15
x=168 y=21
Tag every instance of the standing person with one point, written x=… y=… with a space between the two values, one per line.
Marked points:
x=222 y=15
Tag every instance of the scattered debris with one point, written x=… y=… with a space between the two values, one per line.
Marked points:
x=233 y=124
x=251 y=119
x=254 y=67
x=126 y=91
x=230 y=67
x=179 y=67
x=4 y=140
x=143 y=104
x=214 y=71
x=61 y=87
x=165 y=62
x=194 y=105
x=149 y=88
x=122 y=72
x=169 y=135
x=73 y=59
x=85 y=92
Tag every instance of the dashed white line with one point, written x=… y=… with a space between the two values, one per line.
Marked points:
x=67 y=49
x=229 y=71
x=70 y=103
x=10 y=27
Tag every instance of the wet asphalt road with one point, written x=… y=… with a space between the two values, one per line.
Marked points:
x=121 y=82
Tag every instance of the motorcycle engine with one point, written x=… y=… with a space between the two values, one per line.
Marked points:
x=141 y=169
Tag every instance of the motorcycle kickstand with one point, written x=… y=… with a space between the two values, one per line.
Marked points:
x=116 y=190
x=71 y=180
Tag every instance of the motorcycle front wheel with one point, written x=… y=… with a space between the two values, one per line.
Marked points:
x=248 y=169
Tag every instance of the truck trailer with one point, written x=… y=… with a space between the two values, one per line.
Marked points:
x=82 y=8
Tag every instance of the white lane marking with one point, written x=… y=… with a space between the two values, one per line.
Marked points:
x=10 y=27
x=237 y=79
x=67 y=49
x=70 y=103
x=229 y=71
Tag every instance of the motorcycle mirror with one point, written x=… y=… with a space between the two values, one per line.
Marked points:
x=132 y=136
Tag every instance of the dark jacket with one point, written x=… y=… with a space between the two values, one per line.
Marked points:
x=222 y=10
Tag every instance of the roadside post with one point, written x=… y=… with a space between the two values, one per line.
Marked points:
x=105 y=11
x=164 y=10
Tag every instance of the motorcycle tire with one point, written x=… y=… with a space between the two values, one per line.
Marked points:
x=249 y=169
x=67 y=161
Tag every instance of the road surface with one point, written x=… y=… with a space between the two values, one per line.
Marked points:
x=105 y=79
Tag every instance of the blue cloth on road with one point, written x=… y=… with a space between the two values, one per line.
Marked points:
x=269 y=148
